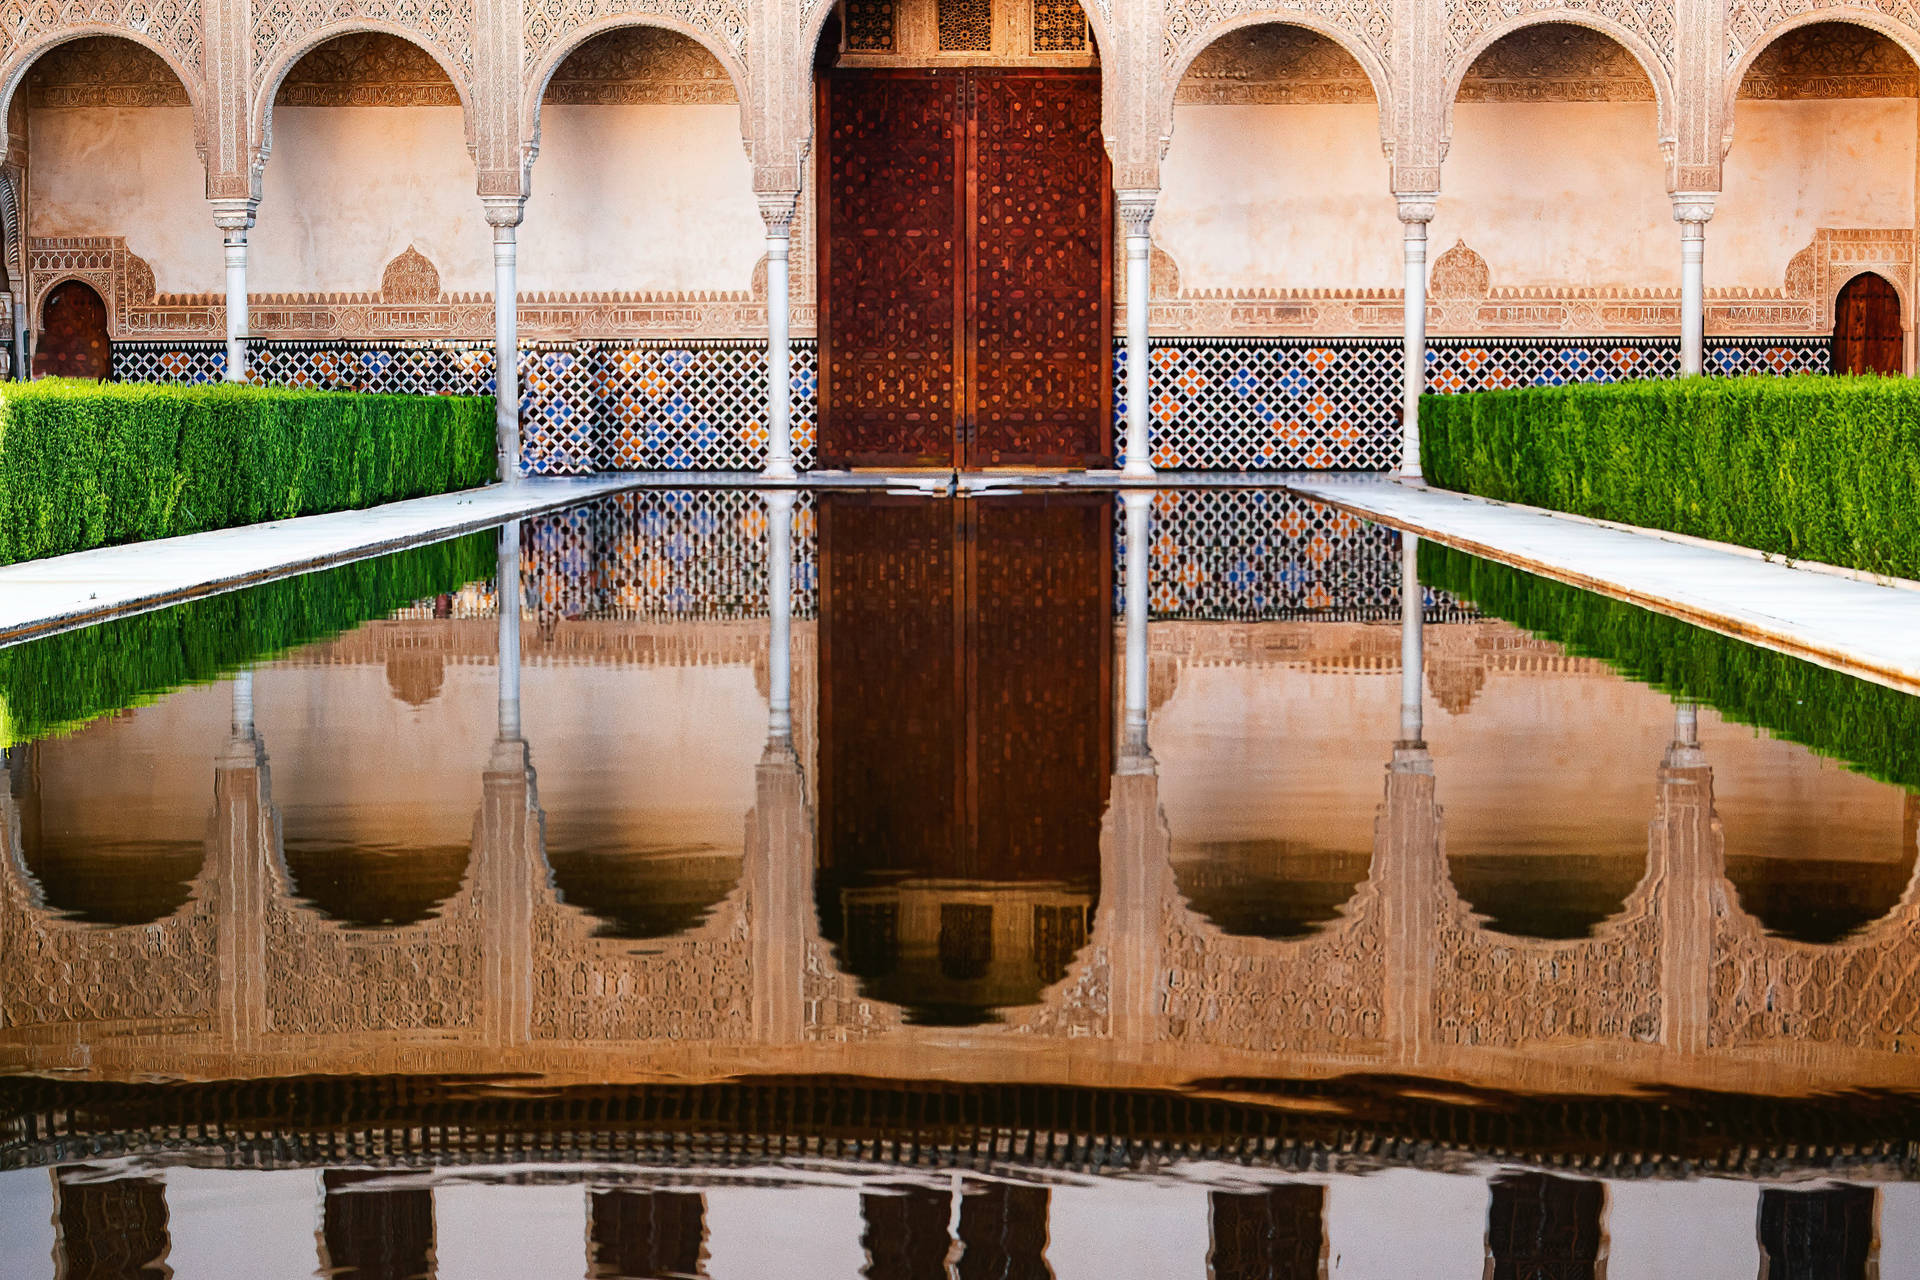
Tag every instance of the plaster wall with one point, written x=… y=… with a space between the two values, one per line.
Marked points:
x=641 y=198
x=114 y=171
x=1800 y=165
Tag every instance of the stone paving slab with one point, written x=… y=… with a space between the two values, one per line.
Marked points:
x=1862 y=628
x=60 y=592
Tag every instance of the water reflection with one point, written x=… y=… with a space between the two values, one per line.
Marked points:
x=925 y=861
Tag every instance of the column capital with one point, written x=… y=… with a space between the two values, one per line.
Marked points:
x=504 y=211
x=777 y=210
x=234 y=213
x=1693 y=207
x=1136 y=209
x=1416 y=206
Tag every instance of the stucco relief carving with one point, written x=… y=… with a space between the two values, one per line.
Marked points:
x=1555 y=62
x=1270 y=63
x=547 y=25
x=100 y=71
x=172 y=26
x=410 y=278
x=1470 y=21
x=1749 y=22
x=367 y=69
x=1459 y=273
x=640 y=65
x=281 y=26
x=1830 y=60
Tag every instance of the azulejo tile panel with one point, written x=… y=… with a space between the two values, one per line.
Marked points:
x=1218 y=404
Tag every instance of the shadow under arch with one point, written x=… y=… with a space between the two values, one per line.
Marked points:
x=126 y=881
x=1548 y=897
x=1641 y=51
x=359 y=880
x=1379 y=78
x=1903 y=37
x=1824 y=901
x=643 y=895
x=1275 y=890
x=261 y=132
x=22 y=62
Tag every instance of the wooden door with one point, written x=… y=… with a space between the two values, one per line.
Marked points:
x=73 y=334
x=1866 y=327
x=965 y=269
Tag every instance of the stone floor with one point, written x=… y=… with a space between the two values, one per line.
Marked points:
x=1864 y=628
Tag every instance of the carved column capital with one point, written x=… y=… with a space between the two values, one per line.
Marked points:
x=1136 y=209
x=1417 y=206
x=504 y=211
x=234 y=214
x=777 y=209
x=1695 y=207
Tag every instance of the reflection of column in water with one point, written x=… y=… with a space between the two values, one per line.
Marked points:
x=1412 y=655
x=243 y=706
x=506 y=595
x=1133 y=744
x=780 y=614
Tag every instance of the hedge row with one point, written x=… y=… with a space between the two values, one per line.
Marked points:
x=1867 y=727
x=86 y=464
x=56 y=685
x=1811 y=468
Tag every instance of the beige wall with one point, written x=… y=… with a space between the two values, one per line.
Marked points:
x=642 y=198
x=1798 y=166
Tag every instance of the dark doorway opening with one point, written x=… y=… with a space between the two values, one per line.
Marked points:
x=1866 y=327
x=73 y=334
x=966 y=269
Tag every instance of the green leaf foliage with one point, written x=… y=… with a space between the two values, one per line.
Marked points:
x=87 y=464
x=58 y=684
x=1806 y=467
x=1868 y=727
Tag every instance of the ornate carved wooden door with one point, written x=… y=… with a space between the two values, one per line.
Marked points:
x=965 y=269
x=1866 y=327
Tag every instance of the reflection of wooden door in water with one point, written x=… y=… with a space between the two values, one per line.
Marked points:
x=73 y=334
x=1866 y=327
x=965 y=685
x=965 y=269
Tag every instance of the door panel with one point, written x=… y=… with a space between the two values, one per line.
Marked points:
x=1042 y=272
x=890 y=236
x=966 y=269
x=1866 y=329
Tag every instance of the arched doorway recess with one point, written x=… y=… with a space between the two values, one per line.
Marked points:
x=966 y=238
x=1867 y=336
x=74 y=339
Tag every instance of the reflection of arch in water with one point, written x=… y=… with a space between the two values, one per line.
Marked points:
x=1280 y=890
x=643 y=894
x=1549 y=896
x=1825 y=900
x=362 y=883
x=127 y=881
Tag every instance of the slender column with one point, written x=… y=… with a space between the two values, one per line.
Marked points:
x=1416 y=211
x=1693 y=210
x=503 y=215
x=1133 y=745
x=21 y=369
x=780 y=612
x=1412 y=658
x=777 y=208
x=506 y=597
x=235 y=218
x=1136 y=216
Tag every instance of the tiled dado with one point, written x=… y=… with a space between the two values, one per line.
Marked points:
x=1217 y=404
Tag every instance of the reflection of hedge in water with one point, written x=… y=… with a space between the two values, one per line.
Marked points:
x=1866 y=726
x=55 y=685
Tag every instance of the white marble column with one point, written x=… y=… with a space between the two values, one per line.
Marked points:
x=235 y=218
x=1133 y=735
x=506 y=596
x=780 y=614
x=1412 y=646
x=1136 y=217
x=777 y=208
x=1416 y=211
x=504 y=215
x=1693 y=210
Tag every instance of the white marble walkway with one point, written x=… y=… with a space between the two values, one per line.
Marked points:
x=1859 y=627
x=42 y=596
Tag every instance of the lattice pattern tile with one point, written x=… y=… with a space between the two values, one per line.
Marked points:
x=661 y=555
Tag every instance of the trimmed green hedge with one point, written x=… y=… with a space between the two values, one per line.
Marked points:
x=86 y=464
x=56 y=685
x=1868 y=727
x=1809 y=467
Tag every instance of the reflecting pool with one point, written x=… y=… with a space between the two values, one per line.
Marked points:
x=1197 y=883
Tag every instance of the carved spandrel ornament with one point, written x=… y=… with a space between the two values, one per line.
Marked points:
x=411 y=277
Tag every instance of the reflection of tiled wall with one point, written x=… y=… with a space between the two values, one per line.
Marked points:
x=1240 y=404
x=1216 y=555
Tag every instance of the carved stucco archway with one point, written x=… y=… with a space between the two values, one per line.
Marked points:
x=1740 y=62
x=1643 y=53
x=16 y=67
x=273 y=74
x=1385 y=96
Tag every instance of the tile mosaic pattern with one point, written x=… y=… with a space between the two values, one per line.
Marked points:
x=607 y=406
x=662 y=555
x=1217 y=404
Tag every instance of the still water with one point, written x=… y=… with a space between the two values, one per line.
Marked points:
x=1197 y=884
